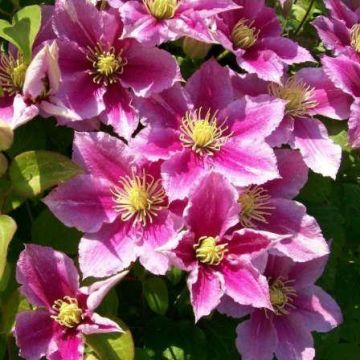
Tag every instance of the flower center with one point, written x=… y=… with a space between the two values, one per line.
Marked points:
x=298 y=95
x=161 y=9
x=282 y=296
x=12 y=73
x=255 y=206
x=355 y=37
x=202 y=134
x=68 y=312
x=244 y=36
x=208 y=252
x=139 y=198
x=107 y=66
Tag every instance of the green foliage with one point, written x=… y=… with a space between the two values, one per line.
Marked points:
x=7 y=231
x=156 y=295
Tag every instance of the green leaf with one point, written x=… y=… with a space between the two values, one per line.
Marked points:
x=6 y=136
x=3 y=164
x=113 y=346
x=23 y=29
x=33 y=172
x=7 y=231
x=47 y=230
x=156 y=295
x=174 y=275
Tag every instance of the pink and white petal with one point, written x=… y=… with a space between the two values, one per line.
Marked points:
x=34 y=333
x=102 y=155
x=210 y=87
x=331 y=102
x=206 y=8
x=7 y=108
x=119 y=112
x=46 y=275
x=342 y=12
x=344 y=73
x=294 y=338
x=46 y=31
x=181 y=173
x=283 y=134
x=99 y=325
x=245 y=285
x=247 y=84
x=149 y=69
x=319 y=310
x=212 y=207
x=256 y=338
x=319 y=152
x=231 y=308
x=306 y=241
x=108 y=251
x=206 y=290
x=354 y=124
x=293 y=172
x=98 y=290
x=23 y=112
x=244 y=163
x=84 y=202
x=70 y=346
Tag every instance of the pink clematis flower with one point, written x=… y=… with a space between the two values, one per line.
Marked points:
x=253 y=34
x=308 y=93
x=120 y=204
x=341 y=32
x=270 y=207
x=98 y=68
x=219 y=262
x=156 y=21
x=345 y=74
x=64 y=311
x=200 y=127
x=299 y=307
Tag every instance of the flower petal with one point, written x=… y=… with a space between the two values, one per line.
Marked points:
x=99 y=325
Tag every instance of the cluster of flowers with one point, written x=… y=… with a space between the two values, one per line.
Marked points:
x=206 y=184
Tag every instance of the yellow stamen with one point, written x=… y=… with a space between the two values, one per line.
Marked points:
x=208 y=252
x=282 y=296
x=299 y=96
x=107 y=66
x=161 y=9
x=244 y=35
x=203 y=134
x=255 y=206
x=12 y=73
x=139 y=198
x=68 y=312
x=355 y=37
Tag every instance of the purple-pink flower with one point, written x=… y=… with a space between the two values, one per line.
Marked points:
x=299 y=307
x=253 y=34
x=219 y=261
x=64 y=310
x=200 y=127
x=119 y=203
x=100 y=72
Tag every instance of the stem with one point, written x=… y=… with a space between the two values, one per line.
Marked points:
x=304 y=18
x=223 y=55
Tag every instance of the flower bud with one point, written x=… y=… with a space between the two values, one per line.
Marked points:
x=6 y=136
x=195 y=49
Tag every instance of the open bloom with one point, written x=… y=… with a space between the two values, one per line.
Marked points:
x=98 y=68
x=299 y=307
x=307 y=93
x=156 y=21
x=345 y=74
x=219 y=262
x=200 y=127
x=253 y=34
x=120 y=204
x=64 y=311
x=270 y=207
x=341 y=31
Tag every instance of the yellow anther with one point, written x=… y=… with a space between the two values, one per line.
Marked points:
x=355 y=37
x=12 y=73
x=68 y=313
x=161 y=9
x=208 y=251
x=244 y=35
x=282 y=296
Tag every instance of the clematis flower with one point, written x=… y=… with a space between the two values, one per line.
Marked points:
x=156 y=21
x=270 y=207
x=64 y=311
x=308 y=93
x=345 y=74
x=253 y=34
x=219 y=262
x=341 y=32
x=200 y=127
x=98 y=69
x=299 y=307
x=119 y=203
